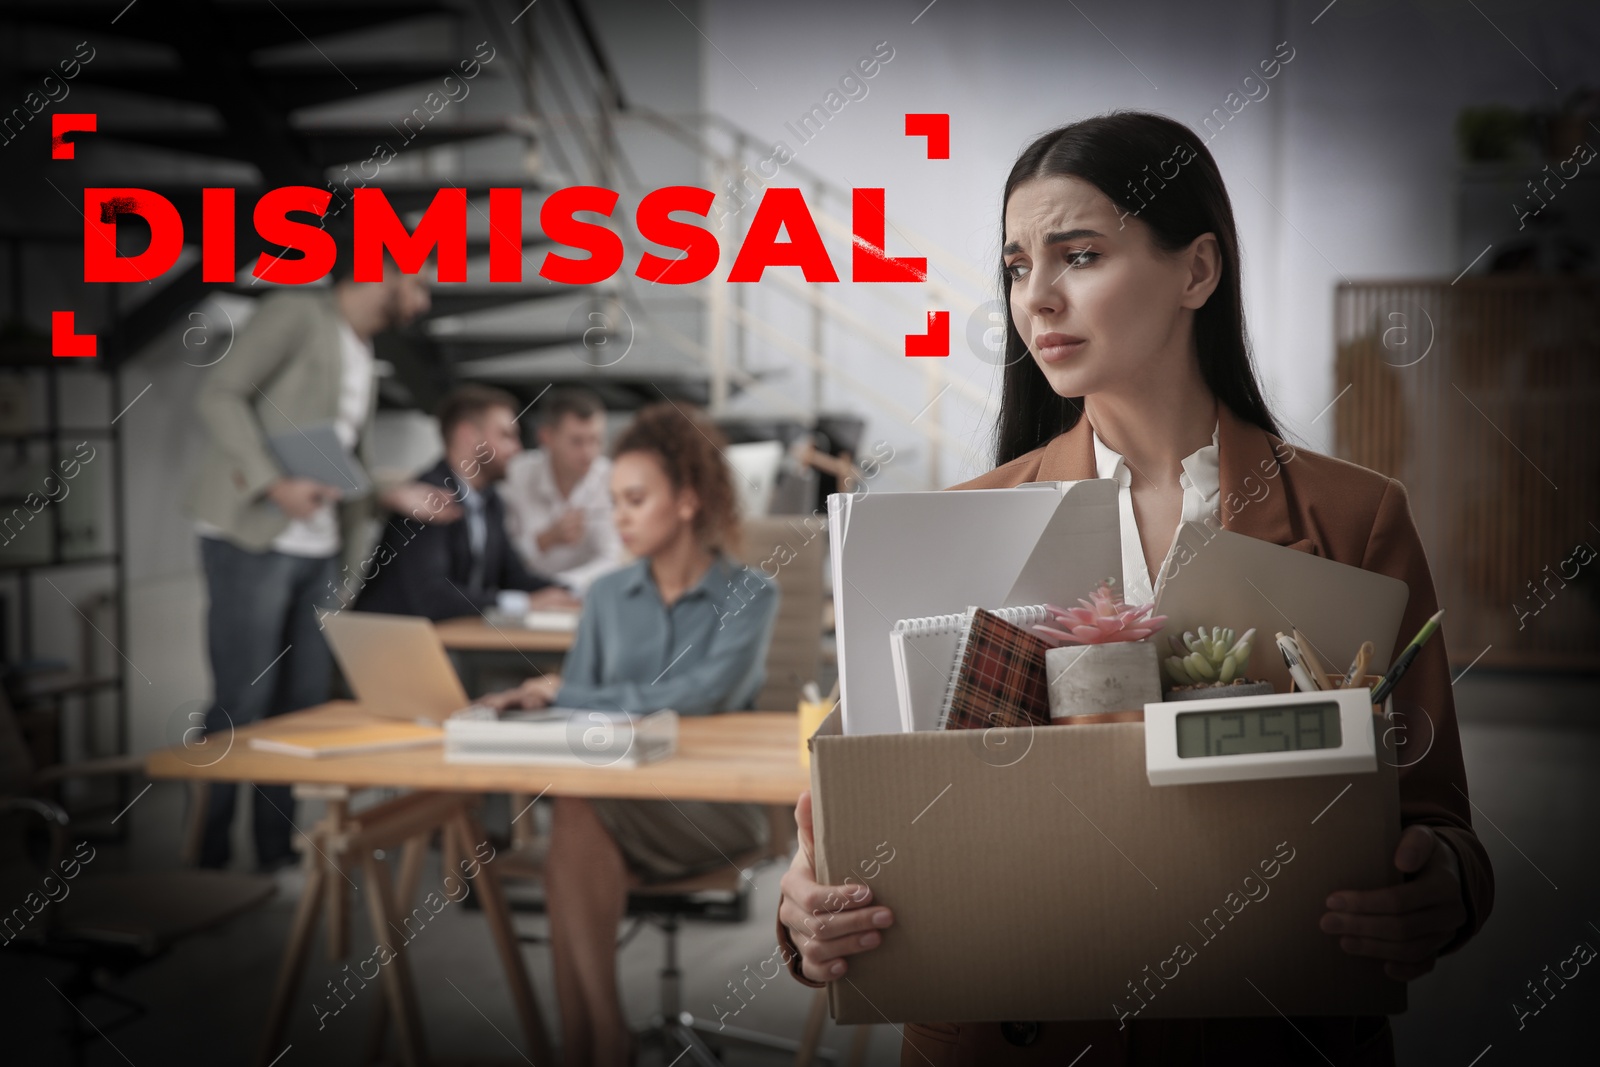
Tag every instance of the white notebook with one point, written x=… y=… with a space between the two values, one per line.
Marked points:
x=925 y=653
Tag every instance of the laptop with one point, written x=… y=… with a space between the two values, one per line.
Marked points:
x=399 y=669
x=316 y=452
x=396 y=665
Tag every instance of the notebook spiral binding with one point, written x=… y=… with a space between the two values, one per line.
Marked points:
x=1023 y=616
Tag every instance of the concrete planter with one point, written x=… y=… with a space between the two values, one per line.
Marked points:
x=1103 y=681
x=1210 y=692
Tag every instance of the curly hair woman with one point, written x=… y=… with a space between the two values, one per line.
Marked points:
x=683 y=627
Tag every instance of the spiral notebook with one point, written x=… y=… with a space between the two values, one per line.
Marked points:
x=926 y=652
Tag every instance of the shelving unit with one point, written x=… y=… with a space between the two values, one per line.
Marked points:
x=94 y=689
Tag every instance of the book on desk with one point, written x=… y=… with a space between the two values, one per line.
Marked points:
x=361 y=739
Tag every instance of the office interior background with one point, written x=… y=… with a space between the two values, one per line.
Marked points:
x=1421 y=299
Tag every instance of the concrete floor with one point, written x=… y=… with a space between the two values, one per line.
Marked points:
x=1532 y=751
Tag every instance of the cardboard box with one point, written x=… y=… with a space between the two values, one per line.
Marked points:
x=1035 y=874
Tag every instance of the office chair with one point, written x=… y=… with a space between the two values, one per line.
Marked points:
x=719 y=895
x=105 y=924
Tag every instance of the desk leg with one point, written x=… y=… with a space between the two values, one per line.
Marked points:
x=416 y=849
x=811 y=1036
x=294 y=960
x=194 y=822
x=397 y=987
x=522 y=833
x=450 y=851
x=334 y=886
x=858 y=1045
x=498 y=914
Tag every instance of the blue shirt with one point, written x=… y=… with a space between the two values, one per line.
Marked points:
x=705 y=653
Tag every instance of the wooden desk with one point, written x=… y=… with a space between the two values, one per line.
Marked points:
x=742 y=756
x=474 y=633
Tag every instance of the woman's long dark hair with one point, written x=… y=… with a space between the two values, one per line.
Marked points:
x=1126 y=154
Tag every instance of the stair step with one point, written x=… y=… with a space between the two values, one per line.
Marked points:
x=262 y=24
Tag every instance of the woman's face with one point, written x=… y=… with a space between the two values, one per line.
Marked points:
x=648 y=511
x=1100 y=307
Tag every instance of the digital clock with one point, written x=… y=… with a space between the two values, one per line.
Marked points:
x=1276 y=735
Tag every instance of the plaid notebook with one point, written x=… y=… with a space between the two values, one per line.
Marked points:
x=1000 y=677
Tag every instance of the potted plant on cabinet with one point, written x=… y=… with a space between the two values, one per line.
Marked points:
x=1101 y=668
x=1211 y=663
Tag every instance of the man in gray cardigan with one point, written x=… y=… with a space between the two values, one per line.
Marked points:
x=271 y=544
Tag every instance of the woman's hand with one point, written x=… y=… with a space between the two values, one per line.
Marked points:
x=1408 y=923
x=533 y=693
x=826 y=922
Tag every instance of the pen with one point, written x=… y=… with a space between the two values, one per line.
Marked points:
x=1291 y=659
x=1313 y=664
x=1381 y=691
x=1358 y=668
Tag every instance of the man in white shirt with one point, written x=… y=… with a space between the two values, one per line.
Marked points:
x=558 y=499
x=270 y=542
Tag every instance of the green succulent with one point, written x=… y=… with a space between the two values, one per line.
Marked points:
x=1209 y=656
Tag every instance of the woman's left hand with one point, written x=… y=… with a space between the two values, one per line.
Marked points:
x=1408 y=923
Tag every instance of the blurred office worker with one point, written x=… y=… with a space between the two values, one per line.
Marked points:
x=462 y=567
x=271 y=543
x=686 y=626
x=558 y=499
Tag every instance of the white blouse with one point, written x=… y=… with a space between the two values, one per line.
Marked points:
x=1201 y=480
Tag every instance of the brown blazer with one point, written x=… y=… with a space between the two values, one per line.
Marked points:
x=1344 y=512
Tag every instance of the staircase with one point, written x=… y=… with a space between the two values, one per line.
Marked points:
x=262 y=93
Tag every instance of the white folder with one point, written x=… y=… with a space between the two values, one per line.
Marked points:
x=908 y=555
x=1221 y=578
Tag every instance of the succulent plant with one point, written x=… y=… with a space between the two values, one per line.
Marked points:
x=1103 y=619
x=1209 y=656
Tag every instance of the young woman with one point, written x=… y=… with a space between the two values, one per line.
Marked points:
x=684 y=627
x=1127 y=359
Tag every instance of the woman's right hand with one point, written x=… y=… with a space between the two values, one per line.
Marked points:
x=533 y=693
x=826 y=922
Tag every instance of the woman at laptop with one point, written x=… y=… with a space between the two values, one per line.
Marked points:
x=1126 y=358
x=684 y=627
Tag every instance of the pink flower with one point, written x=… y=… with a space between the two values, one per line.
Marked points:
x=1102 y=620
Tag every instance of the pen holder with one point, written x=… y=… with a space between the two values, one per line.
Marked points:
x=812 y=712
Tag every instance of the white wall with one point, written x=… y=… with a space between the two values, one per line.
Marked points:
x=1344 y=170
x=1352 y=145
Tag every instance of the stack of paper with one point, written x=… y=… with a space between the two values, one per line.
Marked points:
x=561 y=736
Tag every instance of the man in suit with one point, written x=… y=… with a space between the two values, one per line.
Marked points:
x=270 y=542
x=462 y=567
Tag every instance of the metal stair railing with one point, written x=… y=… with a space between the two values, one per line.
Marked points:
x=562 y=63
